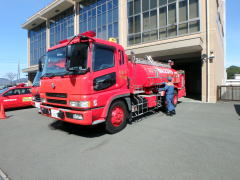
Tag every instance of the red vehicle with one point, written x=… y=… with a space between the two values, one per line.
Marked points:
x=17 y=96
x=88 y=81
x=36 y=100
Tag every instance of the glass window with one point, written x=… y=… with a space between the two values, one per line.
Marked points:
x=37 y=43
x=103 y=58
x=103 y=18
x=146 y=21
x=115 y=32
x=115 y=15
x=9 y=93
x=194 y=26
x=171 y=1
x=153 y=4
x=110 y=30
x=172 y=14
x=16 y=92
x=137 y=24
x=109 y=5
x=131 y=40
x=183 y=11
x=163 y=16
x=25 y=91
x=130 y=8
x=172 y=31
x=146 y=37
x=138 y=38
x=137 y=4
x=193 y=9
x=121 y=57
x=130 y=25
x=160 y=19
x=145 y=5
x=153 y=19
x=61 y=26
x=162 y=2
x=183 y=28
x=153 y=35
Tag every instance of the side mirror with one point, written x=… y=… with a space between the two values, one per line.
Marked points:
x=133 y=56
x=40 y=63
x=40 y=66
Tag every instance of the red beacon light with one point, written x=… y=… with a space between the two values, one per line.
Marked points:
x=63 y=41
x=20 y=85
x=88 y=34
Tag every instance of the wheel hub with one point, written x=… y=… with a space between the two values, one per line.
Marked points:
x=117 y=116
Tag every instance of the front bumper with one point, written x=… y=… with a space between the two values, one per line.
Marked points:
x=67 y=115
x=36 y=104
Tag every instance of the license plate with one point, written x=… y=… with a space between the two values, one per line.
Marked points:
x=54 y=113
x=37 y=105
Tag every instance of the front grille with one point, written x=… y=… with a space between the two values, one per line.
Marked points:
x=56 y=101
x=59 y=95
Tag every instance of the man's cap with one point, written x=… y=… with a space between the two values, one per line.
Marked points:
x=169 y=78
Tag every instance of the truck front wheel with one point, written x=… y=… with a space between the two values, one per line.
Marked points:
x=117 y=117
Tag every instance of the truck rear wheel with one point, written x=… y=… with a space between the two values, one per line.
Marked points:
x=117 y=117
x=175 y=98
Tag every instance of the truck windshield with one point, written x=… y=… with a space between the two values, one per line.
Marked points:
x=36 y=81
x=55 y=63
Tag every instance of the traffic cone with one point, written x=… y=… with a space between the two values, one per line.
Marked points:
x=2 y=112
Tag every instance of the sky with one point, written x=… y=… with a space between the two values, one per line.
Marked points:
x=13 y=48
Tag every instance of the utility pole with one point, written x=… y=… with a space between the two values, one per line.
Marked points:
x=18 y=73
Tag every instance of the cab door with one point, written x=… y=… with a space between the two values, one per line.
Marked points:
x=10 y=99
x=25 y=98
x=104 y=69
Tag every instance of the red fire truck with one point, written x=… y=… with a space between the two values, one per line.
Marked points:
x=36 y=100
x=87 y=81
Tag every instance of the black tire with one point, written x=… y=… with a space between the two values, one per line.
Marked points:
x=175 y=96
x=109 y=127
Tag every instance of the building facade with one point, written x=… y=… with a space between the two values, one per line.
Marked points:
x=189 y=32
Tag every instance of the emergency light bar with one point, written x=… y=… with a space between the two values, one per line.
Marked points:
x=88 y=34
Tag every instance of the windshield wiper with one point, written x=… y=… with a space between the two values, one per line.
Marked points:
x=48 y=75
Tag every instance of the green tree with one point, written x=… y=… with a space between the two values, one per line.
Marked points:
x=232 y=70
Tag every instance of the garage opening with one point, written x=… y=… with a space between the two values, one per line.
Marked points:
x=192 y=65
x=193 y=73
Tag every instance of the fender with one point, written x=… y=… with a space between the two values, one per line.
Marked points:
x=126 y=96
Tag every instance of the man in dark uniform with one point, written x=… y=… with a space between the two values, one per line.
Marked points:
x=169 y=89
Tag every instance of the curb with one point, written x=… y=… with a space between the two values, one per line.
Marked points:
x=3 y=176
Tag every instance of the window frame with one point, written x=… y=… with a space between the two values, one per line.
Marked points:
x=110 y=27
x=131 y=38
x=26 y=89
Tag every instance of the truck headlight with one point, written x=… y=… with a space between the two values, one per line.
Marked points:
x=81 y=104
x=43 y=100
x=77 y=116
